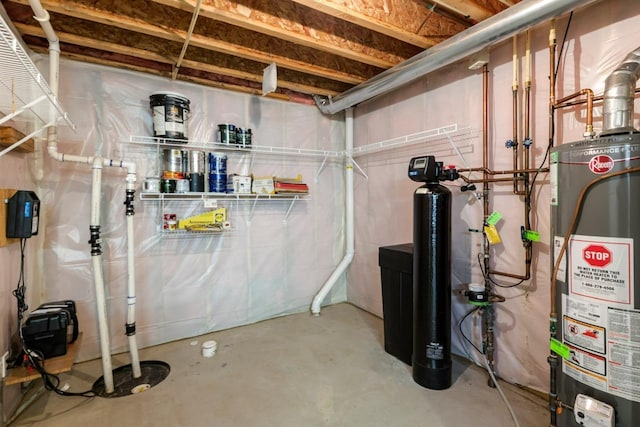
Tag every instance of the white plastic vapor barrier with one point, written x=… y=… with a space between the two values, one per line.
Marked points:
x=270 y=262
x=599 y=37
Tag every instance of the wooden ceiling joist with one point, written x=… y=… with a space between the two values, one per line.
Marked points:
x=283 y=28
x=179 y=35
x=321 y=47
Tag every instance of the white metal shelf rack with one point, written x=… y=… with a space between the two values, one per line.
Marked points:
x=26 y=100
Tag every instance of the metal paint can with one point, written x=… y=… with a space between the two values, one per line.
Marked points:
x=196 y=182
x=243 y=137
x=182 y=185
x=194 y=162
x=217 y=163
x=217 y=182
x=226 y=134
x=170 y=115
x=151 y=185
x=172 y=160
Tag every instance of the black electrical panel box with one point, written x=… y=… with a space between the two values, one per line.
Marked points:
x=23 y=211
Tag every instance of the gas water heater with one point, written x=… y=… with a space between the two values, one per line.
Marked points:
x=595 y=218
x=431 y=359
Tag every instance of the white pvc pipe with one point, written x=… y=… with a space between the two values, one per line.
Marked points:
x=349 y=220
x=101 y=303
x=131 y=299
x=42 y=16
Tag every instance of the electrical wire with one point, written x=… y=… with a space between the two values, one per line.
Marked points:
x=564 y=39
x=488 y=276
x=462 y=333
x=34 y=358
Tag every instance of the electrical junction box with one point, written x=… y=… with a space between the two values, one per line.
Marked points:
x=23 y=211
x=590 y=412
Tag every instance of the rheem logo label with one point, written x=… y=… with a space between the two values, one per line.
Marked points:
x=601 y=164
x=597 y=255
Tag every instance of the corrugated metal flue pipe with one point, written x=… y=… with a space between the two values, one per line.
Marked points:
x=488 y=32
x=619 y=95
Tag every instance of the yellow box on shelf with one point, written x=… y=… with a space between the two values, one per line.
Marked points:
x=212 y=220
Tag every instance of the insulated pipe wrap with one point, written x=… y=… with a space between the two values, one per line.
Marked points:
x=619 y=95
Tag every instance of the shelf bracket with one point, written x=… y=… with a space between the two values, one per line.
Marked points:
x=357 y=166
x=26 y=138
x=286 y=215
x=23 y=109
x=253 y=207
x=321 y=168
x=457 y=150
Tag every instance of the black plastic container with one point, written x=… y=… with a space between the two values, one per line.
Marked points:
x=396 y=270
x=45 y=332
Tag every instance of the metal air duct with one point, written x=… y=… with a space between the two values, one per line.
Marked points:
x=619 y=89
x=490 y=31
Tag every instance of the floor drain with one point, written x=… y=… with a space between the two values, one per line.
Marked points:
x=153 y=372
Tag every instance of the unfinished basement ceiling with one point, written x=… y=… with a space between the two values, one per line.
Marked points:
x=321 y=47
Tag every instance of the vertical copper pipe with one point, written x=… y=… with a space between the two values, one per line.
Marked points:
x=485 y=141
x=552 y=79
x=515 y=138
x=553 y=360
x=514 y=89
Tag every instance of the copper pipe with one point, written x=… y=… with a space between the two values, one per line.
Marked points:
x=526 y=163
x=503 y=172
x=583 y=101
x=477 y=181
x=515 y=138
x=589 y=93
x=485 y=166
x=513 y=276
x=552 y=63
x=552 y=79
x=514 y=90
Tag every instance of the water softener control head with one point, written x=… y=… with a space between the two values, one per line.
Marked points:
x=426 y=169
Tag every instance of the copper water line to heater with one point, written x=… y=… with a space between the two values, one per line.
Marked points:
x=487 y=313
x=514 y=108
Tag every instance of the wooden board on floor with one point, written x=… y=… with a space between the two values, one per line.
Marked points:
x=55 y=365
x=5 y=193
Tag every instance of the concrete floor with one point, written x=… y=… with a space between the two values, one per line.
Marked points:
x=294 y=371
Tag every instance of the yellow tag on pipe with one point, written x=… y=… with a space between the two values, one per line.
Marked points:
x=493 y=237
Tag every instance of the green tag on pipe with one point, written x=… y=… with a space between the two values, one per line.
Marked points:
x=531 y=235
x=494 y=218
x=560 y=349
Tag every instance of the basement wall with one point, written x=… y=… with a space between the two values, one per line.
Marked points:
x=598 y=39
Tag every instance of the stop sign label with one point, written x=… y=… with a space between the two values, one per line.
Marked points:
x=597 y=255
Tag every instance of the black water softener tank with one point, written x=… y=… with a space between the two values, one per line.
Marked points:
x=431 y=274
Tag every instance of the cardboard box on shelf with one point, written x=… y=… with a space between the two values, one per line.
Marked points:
x=262 y=185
